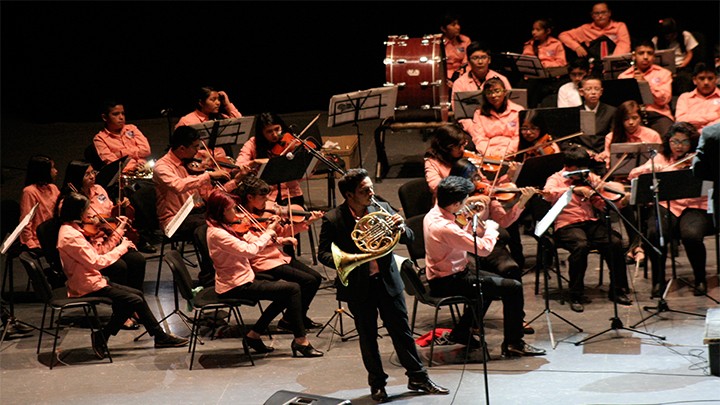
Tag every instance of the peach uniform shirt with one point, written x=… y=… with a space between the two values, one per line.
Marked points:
x=676 y=206
x=455 y=53
x=198 y=117
x=551 y=53
x=45 y=196
x=82 y=263
x=231 y=256
x=447 y=244
x=130 y=142
x=248 y=153
x=467 y=82
x=576 y=210
x=660 y=81
x=698 y=110
x=586 y=33
x=498 y=134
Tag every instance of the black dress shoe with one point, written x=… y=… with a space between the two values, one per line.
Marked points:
x=305 y=351
x=428 y=387
x=520 y=349
x=576 y=305
x=99 y=344
x=169 y=340
x=465 y=339
x=258 y=345
x=620 y=298
x=379 y=394
x=310 y=324
x=147 y=248
x=700 y=289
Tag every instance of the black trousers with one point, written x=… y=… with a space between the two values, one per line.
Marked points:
x=393 y=313
x=285 y=295
x=129 y=270
x=308 y=279
x=125 y=302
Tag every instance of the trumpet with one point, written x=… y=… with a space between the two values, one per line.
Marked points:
x=374 y=234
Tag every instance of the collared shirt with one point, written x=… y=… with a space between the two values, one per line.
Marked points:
x=577 y=210
x=45 y=196
x=697 y=109
x=100 y=202
x=447 y=244
x=456 y=53
x=435 y=171
x=248 y=154
x=643 y=134
x=231 y=257
x=498 y=134
x=82 y=263
x=660 y=81
x=468 y=82
x=129 y=142
x=586 y=33
x=272 y=255
x=551 y=53
x=173 y=186
x=676 y=206
x=568 y=95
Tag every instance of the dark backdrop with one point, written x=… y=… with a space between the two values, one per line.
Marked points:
x=61 y=59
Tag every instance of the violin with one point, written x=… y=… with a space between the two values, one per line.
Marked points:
x=197 y=166
x=294 y=213
x=538 y=149
x=288 y=144
x=506 y=193
x=465 y=214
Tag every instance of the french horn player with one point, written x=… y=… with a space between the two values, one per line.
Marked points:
x=358 y=236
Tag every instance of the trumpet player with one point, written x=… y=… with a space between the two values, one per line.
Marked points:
x=375 y=285
x=449 y=271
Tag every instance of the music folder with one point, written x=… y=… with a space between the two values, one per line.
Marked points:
x=637 y=153
x=16 y=232
x=556 y=209
x=179 y=218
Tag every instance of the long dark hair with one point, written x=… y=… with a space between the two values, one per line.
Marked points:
x=74 y=175
x=535 y=118
x=39 y=170
x=444 y=139
x=668 y=26
x=263 y=120
x=73 y=206
x=618 y=130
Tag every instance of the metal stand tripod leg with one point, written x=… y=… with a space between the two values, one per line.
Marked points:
x=337 y=317
x=547 y=311
x=183 y=317
x=662 y=306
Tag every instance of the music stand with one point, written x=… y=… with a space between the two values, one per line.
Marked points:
x=110 y=173
x=526 y=65
x=466 y=102
x=544 y=245
x=226 y=132
x=616 y=64
x=617 y=91
x=376 y=103
x=633 y=153
x=535 y=171
x=684 y=185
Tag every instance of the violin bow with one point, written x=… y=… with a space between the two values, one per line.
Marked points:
x=543 y=144
x=299 y=136
x=210 y=153
x=97 y=214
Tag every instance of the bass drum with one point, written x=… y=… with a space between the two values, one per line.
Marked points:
x=417 y=67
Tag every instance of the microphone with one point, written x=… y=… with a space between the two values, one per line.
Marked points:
x=165 y=111
x=475 y=222
x=574 y=173
x=290 y=156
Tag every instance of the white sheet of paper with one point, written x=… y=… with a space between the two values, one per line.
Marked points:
x=178 y=219
x=23 y=223
x=549 y=218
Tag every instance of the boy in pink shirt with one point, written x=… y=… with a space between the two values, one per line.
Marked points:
x=700 y=107
x=581 y=39
x=119 y=139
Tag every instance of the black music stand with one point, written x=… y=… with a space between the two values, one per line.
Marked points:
x=615 y=322
x=109 y=175
x=377 y=103
x=526 y=65
x=643 y=191
x=634 y=154
x=535 y=171
x=544 y=246
x=226 y=132
x=613 y=65
x=617 y=91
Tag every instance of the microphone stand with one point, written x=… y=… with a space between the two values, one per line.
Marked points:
x=615 y=322
x=478 y=320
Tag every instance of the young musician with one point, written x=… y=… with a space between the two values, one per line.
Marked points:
x=450 y=272
x=701 y=106
x=253 y=195
x=119 y=139
x=373 y=287
x=688 y=216
x=39 y=189
x=82 y=263
x=234 y=278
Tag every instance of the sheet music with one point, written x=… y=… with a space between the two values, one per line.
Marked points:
x=178 y=219
x=15 y=233
x=549 y=218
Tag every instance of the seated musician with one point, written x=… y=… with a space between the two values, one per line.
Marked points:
x=119 y=139
x=478 y=72
x=578 y=229
x=688 y=216
x=174 y=183
x=39 y=189
x=627 y=128
x=449 y=271
x=581 y=39
x=701 y=106
x=234 y=278
x=535 y=140
x=253 y=195
x=82 y=263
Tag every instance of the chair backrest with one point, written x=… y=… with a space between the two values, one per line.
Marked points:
x=181 y=275
x=416 y=248
x=207 y=268
x=415 y=197
x=413 y=284
x=144 y=200
x=40 y=283
x=47 y=233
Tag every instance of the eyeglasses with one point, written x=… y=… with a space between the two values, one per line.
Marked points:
x=600 y=12
x=684 y=142
x=459 y=145
x=479 y=58
x=494 y=92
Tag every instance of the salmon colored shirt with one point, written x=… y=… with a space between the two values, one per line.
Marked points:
x=468 y=82
x=231 y=257
x=660 y=81
x=434 y=172
x=551 y=53
x=173 y=185
x=676 y=206
x=45 y=196
x=447 y=244
x=130 y=142
x=456 y=53
x=576 y=210
x=248 y=153
x=643 y=134
x=82 y=263
x=586 y=33
x=498 y=134
x=697 y=109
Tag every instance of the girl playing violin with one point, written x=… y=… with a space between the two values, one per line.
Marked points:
x=688 y=216
x=234 y=277
x=253 y=194
x=533 y=131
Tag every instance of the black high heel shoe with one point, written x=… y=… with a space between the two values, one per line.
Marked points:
x=305 y=351
x=258 y=345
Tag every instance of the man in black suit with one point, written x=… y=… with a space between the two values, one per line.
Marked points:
x=706 y=166
x=374 y=286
